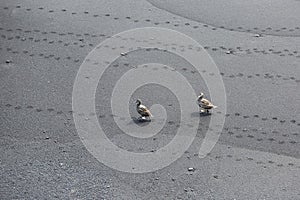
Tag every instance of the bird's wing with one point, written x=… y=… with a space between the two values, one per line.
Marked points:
x=207 y=104
x=143 y=110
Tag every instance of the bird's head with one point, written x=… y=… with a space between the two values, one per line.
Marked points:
x=138 y=102
x=201 y=95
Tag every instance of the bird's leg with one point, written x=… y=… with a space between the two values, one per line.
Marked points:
x=207 y=111
x=140 y=118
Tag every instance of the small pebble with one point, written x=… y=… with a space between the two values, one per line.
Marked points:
x=257 y=35
x=191 y=169
x=8 y=61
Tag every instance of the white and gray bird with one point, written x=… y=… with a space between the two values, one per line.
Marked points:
x=204 y=103
x=142 y=110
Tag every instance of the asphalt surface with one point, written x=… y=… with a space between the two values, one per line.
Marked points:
x=43 y=44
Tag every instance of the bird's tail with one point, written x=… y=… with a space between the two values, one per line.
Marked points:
x=150 y=114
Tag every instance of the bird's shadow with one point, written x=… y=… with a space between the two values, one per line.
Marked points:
x=200 y=114
x=140 y=121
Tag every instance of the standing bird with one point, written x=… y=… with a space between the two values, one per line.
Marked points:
x=204 y=103
x=142 y=110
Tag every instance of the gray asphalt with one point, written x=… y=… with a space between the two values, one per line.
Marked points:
x=43 y=44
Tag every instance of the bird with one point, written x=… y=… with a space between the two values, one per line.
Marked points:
x=142 y=110
x=204 y=103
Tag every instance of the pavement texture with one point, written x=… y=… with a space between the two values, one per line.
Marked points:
x=255 y=45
